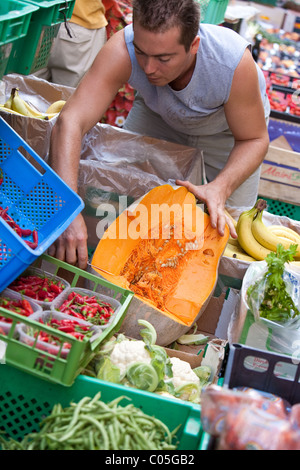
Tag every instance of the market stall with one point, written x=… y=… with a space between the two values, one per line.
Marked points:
x=182 y=341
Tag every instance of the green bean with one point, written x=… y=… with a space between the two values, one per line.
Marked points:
x=77 y=412
x=91 y=424
x=101 y=428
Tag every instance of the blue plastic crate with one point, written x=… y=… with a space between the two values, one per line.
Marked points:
x=36 y=198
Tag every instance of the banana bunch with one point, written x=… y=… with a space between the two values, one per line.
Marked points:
x=257 y=239
x=234 y=250
x=16 y=105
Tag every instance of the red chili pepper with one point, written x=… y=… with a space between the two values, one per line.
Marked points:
x=55 y=288
x=38 y=287
x=19 y=230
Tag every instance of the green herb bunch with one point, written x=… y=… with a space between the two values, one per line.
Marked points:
x=276 y=303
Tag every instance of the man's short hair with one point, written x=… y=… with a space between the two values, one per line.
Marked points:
x=161 y=15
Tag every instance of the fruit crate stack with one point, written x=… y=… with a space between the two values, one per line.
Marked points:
x=31 y=53
x=60 y=365
x=15 y=19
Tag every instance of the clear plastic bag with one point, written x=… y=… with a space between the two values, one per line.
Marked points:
x=256 y=275
x=281 y=337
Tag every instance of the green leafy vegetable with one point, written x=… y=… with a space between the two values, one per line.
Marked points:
x=189 y=391
x=275 y=304
x=204 y=373
x=142 y=376
x=193 y=339
x=148 y=333
x=108 y=371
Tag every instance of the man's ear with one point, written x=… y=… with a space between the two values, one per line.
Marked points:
x=195 y=45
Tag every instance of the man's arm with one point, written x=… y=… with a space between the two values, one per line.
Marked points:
x=245 y=116
x=110 y=70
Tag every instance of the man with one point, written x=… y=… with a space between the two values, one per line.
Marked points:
x=195 y=86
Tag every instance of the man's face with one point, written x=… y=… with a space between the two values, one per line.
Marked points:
x=161 y=56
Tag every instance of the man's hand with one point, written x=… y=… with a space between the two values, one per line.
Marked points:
x=71 y=246
x=214 y=200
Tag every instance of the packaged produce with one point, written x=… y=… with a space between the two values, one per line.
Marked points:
x=47 y=340
x=275 y=294
x=40 y=286
x=217 y=402
x=15 y=302
x=252 y=428
x=86 y=305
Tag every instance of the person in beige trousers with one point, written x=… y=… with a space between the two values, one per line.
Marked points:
x=77 y=44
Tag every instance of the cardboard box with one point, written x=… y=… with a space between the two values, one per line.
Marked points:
x=214 y=323
x=280 y=175
x=40 y=93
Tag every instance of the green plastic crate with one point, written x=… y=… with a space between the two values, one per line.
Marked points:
x=267 y=2
x=282 y=208
x=25 y=400
x=32 y=53
x=15 y=18
x=212 y=11
x=56 y=368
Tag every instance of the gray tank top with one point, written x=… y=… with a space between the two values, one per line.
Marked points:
x=198 y=109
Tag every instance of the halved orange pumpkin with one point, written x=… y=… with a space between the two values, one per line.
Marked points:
x=167 y=253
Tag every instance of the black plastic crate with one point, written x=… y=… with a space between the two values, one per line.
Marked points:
x=265 y=371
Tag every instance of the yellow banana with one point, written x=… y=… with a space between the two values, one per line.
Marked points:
x=236 y=252
x=8 y=103
x=285 y=232
x=233 y=241
x=20 y=105
x=8 y=110
x=246 y=238
x=266 y=238
x=56 y=107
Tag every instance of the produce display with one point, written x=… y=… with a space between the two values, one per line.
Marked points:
x=92 y=424
x=38 y=287
x=279 y=59
x=279 y=53
x=256 y=240
x=17 y=105
x=144 y=365
x=249 y=419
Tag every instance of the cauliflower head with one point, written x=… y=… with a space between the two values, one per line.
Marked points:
x=182 y=373
x=128 y=352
